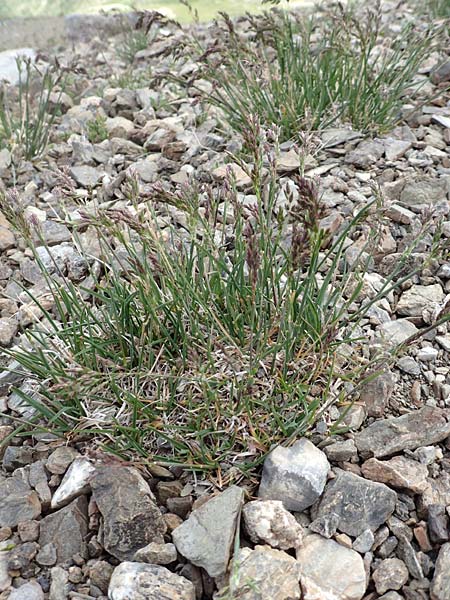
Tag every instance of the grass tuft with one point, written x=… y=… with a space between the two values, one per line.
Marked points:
x=26 y=111
x=313 y=73
x=206 y=344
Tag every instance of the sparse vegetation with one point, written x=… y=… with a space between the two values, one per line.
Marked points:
x=26 y=110
x=96 y=130
x=313 y=73
x=206 y=345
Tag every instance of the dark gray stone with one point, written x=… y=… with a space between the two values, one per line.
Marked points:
x=18 y=502
x=66 y=529
x=131 y=519
x=359 y=504
x=423 y=427
x=437 y=524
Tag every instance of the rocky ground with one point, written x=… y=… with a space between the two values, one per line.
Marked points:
x=360 y=515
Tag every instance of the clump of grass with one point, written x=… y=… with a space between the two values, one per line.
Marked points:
x=315 y=72
x=439 y=8
x=132 y=42
x=96 y=130
x=26 y=113
x=205 y=345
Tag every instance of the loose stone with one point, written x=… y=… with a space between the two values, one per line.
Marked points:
x=268 y=521
x=296 y=476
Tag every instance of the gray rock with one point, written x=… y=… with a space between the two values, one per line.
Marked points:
x=18 y=502
x=440 y=586
x=423 y=192
x=267 y=521
x=329 y=570
x=59 y=587
x=395 y=149
x=376 y=393
x=390 y=574
x=86 y=176
x=366 y=154
x=100 y=573
x=341 y=451
x=5 y=578
x=139 y=581
x=400 y=472
x=28 y=591
x=265 y=573
x=417 y=297
x=66 y=529
x=408 y=555
x=364 y=542
x=8 y=331
x=16 y=457
x=326 y=525
x=360 y=504
x=423 y=427
x=396 y=332
x=60 y=459
x=131 y=519
x=10 y=375
x=156 y=554
x=52 y=233
x=47 y=557
x=437 y=524
x=295 y=475
x=207 y=536
x=408 y=365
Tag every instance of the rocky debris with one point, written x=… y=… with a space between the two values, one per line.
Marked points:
x=207 y=536
x=60 y=459
x=130 y=517
x=366 y=154
x=66 y=530
x=86 y=176
x=360 y=504
x=385 y=437
x=400 y=472
x=329 y=570
x=139 y=581
x=296 y=476
x=266 y=573
x=396 y=332
x=8 y=331
x=440 y=586
x=267 y=521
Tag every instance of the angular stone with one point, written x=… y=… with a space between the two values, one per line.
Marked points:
x=295 y=475
x=157 y=554
x=440 y=586
x=66 y=529
x=423 y=427
x=75 y=482
x=437 y=524
x=396 y=332
x=395 y=149
x=139 y=581
x=8 y=331
x=360 y=504
x=390 y=574
x=28 y=591
x=131 y=518
x=413 y=301
x=366 y=154
x=341 y=451
x=265 y=573
x=206 y=538
x=59 y=587
x=423 y=191
x=18 y=502
x=376 y=393
x=398 y=472
x=86 y=176
x=267 y=521
x=242 y=179
x=437 y=492
x=329 y=570
x=5 y=578
x=60 y=459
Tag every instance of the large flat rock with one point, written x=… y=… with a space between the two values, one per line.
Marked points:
x=423 y=427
